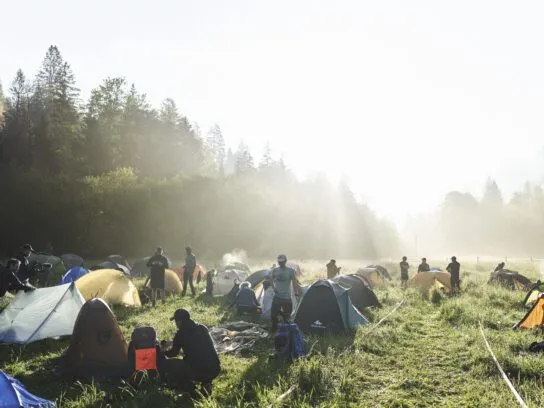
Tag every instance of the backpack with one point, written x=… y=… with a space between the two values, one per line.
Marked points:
x=289 y=342
x=144 y=351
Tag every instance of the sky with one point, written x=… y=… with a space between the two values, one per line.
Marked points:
x=409 y=100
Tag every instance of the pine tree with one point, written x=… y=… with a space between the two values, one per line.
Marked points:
x=244 y=159
x=266 y=160
x=216 y=144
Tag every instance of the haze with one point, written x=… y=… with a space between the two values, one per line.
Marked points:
x=409 y=101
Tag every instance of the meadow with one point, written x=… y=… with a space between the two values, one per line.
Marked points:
x=428 y=353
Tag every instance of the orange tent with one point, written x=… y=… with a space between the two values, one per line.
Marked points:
x=534 y=317
x=199 y=270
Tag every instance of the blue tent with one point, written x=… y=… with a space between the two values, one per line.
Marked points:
x=13 y=394
x=73 y=274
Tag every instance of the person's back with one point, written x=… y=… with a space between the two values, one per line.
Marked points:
x=190 y=263
x=246 y=297
x=158 y=264
x=198 y=349
x=454 y=268
x=423 y=267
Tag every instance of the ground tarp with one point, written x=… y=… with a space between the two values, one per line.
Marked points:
x=40 y=314
x=113 y=286
x=13 y=394
x=234 y=336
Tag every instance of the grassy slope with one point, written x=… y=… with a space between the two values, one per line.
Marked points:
x=425 y=354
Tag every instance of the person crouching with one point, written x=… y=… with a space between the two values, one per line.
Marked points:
x=246 y=301
x=200 y=363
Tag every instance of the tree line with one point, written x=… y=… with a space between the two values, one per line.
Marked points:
x=490 y=225
x=114 y=174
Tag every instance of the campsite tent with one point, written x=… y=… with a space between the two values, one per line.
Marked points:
x=13 y=394
x=382 y=270
x=534 y=317
x=427 y=280
x=199 y=271
x=73 y=274
x=237 y=266
x=172 y=283
x=119 y=260
x=533 y=293
x=71 y=260
x=360 y=294
x=98 y=347
x=57 y=266
x=110 y=265
x=111 y=285
x=224 y=281
x=510 y=280
x=328 y=303
x=372 y=275
x=140 y=267
x=40 y=314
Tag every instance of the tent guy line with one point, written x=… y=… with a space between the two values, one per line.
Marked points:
x=399 y=304
x=504 y=376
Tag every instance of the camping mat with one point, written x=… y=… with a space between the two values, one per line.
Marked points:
x=233 y=336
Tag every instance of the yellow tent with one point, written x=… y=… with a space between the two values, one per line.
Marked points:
x=428 y=280
x=113 y=286
x=534 y=317
x=372 y=276
x=172 y=284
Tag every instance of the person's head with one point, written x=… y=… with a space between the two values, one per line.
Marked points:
x=282 y=260
x=181 y=317
x=404 y=259
x=501 y=264
x=423 y=259
x=245 y=284
x=453 y=258
x=13 y=265
x=188 y=250
x=27 y=249
x=159 y=251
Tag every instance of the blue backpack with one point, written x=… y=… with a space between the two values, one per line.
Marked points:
x=289 y=342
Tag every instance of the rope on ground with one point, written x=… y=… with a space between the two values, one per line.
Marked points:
x=504 y=376
x=388 y=314
x=377 y=324
x=283 y=396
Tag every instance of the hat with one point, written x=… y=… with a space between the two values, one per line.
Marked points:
x=181 y=315
x=282 y=258
x=29 y=247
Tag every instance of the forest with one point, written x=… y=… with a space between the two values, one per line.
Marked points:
x=113 y=174
x=486 y=226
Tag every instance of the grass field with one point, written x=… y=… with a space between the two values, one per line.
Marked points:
x=428 y=353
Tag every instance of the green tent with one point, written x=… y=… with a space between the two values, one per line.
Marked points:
x=327 y=305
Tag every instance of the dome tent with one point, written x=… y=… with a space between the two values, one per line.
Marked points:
x=13 y=394
x=73 y=274
x=113 y=286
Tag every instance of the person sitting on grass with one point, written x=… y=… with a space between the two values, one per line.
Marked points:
x=9 y=280
x=200 y=363
x=245 y=300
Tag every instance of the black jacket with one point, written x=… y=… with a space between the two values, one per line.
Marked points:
x=198 y=349
x=24 y=269
x=8 y=281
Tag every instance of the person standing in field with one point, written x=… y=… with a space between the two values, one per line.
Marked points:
x=404 y=272
x=453 y=268
x=158 y=264
x=282 y=277
x=332 y=269
x=189 y=270
x=423 y=266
